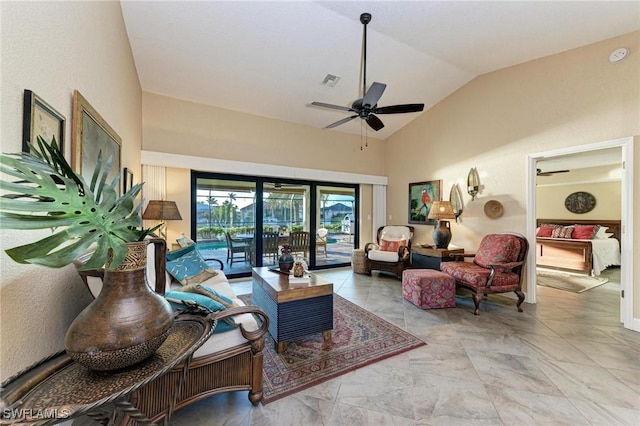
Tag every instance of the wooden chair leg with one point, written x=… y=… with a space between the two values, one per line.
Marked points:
x=476 y=301
x=520 y=295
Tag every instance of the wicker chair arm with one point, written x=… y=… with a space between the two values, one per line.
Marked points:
x=249 y=335
x=371 y=246
x=404 y=253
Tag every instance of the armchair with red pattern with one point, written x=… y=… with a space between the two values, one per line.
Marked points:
x=392 y=252
x=497 y=267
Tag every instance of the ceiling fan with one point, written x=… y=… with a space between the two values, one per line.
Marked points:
x=550 y=173
x=367 y=106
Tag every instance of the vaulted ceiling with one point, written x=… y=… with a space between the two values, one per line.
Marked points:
x=269 y=58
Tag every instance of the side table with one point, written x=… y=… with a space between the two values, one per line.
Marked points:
x=431 y=257
x=58 y=388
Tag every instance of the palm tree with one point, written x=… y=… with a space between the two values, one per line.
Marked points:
x=213 y=201
x=232 y=208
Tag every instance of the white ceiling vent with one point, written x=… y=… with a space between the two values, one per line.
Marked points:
x=330 y=80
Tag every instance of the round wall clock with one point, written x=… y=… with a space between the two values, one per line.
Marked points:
x=580 y=202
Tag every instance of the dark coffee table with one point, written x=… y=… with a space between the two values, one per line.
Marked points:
x=294 y=309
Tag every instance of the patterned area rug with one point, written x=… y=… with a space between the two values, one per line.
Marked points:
x=359 y=338
x=568 y=281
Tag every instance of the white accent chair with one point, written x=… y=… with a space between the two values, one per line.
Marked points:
x=392 y=252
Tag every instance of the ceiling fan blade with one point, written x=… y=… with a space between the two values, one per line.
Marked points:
x=339 y=122
x=399 y=109
x=331 y=106
x=374 y=122
x=373 y=95
x=550 y=173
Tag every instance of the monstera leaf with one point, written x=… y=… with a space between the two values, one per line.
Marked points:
x=48 y=194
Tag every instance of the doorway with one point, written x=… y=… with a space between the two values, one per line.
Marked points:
x=626 y=272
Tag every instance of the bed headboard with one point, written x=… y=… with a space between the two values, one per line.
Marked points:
x=613 y=225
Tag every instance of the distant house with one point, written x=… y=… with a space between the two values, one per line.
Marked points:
x=337 y=210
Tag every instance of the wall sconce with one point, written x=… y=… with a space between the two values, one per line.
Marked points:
x=441 y=210
x=473 y=183
x=162 y=210
x=455 y=198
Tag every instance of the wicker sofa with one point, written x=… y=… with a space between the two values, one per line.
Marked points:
x=228 y=361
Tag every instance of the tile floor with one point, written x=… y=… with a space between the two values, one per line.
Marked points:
x=564 y=361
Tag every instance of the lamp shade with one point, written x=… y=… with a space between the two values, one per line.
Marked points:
x=161 y=210
x=441 y=210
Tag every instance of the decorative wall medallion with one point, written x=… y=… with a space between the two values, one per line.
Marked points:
x=580 y=202
x=493 y=209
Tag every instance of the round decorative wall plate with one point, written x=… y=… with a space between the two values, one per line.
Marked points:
x=493 y=209
x=580 y=202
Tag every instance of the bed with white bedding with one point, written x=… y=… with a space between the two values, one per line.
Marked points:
x=587 y=255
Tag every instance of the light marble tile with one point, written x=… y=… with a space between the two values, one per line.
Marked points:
x=513 y=372
x=444 y=361
x=446 y=400
x=521 y=407
x=601 y=414
x=623 y=357
x=348 y=415
x=590 y=383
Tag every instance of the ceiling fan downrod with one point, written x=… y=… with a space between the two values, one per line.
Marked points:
x=365 y=18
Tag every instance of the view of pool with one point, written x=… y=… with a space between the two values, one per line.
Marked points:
x=212 y=245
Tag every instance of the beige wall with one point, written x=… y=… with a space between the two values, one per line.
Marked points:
x=573 y=98
x=53 y=48
x=550 y=201
x=180 y=127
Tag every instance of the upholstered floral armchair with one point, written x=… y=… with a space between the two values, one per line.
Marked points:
x=497 y=267
x=392 y=252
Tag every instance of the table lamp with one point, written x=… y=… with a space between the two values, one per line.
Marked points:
x=162 y=210
x=441 y=210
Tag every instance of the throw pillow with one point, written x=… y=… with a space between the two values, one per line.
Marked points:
x=188 y=267
x=184 y=241
x=182 y=301
x=562 y=232
x=545 y=231
x=391 y=245
x=209 y=292
x=600 y=234
x=584 y=232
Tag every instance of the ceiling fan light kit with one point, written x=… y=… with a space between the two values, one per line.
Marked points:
x=366 y=107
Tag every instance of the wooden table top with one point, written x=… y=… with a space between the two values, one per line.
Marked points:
x=278 y=287
x=436 y=252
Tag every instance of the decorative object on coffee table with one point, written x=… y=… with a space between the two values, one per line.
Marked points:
x=440 y=211
x=285 y=261
x=47 y=193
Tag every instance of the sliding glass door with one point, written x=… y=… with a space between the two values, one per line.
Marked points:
x=245 y=221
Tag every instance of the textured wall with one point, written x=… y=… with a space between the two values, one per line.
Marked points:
x=53 y=48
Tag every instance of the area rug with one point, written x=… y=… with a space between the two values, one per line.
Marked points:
x=359 y=338
x=568 y=281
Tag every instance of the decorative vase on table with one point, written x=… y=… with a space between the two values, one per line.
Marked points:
x=285 y=261
x=126 y=323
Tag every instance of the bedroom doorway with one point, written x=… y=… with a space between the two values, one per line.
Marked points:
x=626 y=215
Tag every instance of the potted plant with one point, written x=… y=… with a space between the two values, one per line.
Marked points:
x=127 y=322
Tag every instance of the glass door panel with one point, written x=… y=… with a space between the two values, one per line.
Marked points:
x=225 y=215
x=285 y=220
x=336 y=225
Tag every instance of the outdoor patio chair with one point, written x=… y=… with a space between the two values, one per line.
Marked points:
x=321 y=240
x=299 y=242
x=236 y=247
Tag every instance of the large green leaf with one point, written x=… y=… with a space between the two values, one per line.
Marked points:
x=48 y=194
